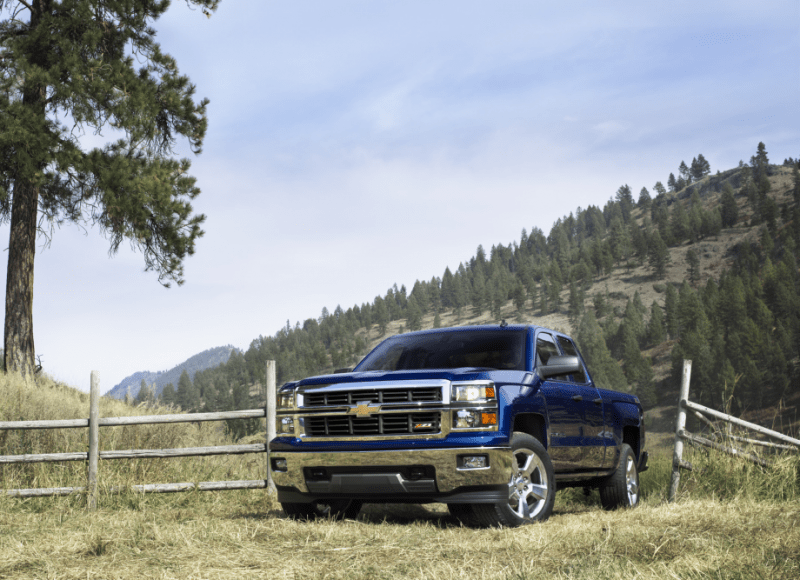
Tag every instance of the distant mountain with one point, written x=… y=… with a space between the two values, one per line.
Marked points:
x=207 y=359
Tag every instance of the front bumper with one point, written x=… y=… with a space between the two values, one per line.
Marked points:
x=414 y=476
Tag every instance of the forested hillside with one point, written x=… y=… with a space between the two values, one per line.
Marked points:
x=144 y=384
x=704 y=268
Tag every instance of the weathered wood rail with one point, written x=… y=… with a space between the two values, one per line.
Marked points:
x=93 y=455
x=702 y=412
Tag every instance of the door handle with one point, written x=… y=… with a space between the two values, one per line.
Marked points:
x=598 y=401
x=577 y=397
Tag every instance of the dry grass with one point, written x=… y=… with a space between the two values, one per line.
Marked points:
x=46 y=399
x=744 y=529
x=732 y=520
x=242 y=535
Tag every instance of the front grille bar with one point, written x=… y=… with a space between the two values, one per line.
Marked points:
x=389 y=424
x=381 y=396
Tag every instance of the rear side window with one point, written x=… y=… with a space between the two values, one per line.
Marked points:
x=570 y=350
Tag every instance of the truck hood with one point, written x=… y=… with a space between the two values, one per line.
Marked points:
x=461 y=374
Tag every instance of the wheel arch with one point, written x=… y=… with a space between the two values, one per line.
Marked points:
x=631 y=436
x=533 y=424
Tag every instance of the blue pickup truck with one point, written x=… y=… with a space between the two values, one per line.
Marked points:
x=487 y=419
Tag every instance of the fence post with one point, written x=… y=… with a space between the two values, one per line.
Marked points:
x=94 y=443
x=270 y=412
x=680 y=425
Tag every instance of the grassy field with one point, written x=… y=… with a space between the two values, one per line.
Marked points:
x=732 y=520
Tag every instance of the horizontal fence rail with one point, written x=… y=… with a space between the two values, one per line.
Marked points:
x=138 y=453
x=146 y=488
x=93 y=455
x=135 y=420
x=702 y=412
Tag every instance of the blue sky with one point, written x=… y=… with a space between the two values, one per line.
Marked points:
x=352 y=145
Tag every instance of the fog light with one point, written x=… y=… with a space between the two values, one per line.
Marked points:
x=279 y=465
x=475 y=462
x=287 y=425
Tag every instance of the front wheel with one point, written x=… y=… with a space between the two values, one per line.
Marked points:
x=337 y=509
x=531 y=487
x=621 y=489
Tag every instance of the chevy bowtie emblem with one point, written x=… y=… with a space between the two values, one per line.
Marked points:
x=363 y=409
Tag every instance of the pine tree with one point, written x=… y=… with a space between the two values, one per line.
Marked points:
x=168 y=395
x=606 y=373
x=679 y=223
x=480 y=294
x=685 y=172
x=625 y=199
x=693 y=261
x=703 y=165
x=796 y=185
x=730 y=210
x=519 y=298
x=695 y=170
x=186 y=395
x=447 y=292
x=644 y=199
x=760 y=162
x=143 y=396
x=413 y=314
x=656 y=333
x=659 y=256
x=671 y=311
x=671 y=183
x=576 y=299
x=381 y=315
x=68 y=70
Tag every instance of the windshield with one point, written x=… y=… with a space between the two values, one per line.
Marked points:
x=493 y=349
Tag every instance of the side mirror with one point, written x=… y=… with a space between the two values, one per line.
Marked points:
x=560 y=365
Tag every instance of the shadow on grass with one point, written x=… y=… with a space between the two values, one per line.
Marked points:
x=404 y=514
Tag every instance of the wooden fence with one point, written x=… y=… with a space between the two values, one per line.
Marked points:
x=681 y=434
x=94 y=422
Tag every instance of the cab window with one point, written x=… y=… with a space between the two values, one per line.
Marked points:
x=545 y=348
x=570 y=350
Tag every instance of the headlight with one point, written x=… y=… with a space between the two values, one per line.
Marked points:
x=286 y=400
x=472 y=392
x=286 y=425
x=473 y=419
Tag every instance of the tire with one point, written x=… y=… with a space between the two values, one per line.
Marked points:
x=336 y=509
x=621 y=489
x=531 y=487
x=463 y=513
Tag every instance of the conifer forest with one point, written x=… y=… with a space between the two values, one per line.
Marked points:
x=735 y=314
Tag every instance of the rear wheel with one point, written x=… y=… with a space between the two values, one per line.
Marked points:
x=621 y=489
x=531 y=487
x=337 y=509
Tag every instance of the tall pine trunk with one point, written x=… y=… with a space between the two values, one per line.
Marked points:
x=18 y=344
x=19 y=352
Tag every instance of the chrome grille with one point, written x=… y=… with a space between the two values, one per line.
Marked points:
x=387 y=424
x=387 y=396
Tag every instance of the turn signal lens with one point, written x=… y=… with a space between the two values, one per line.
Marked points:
x=489 y=418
